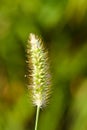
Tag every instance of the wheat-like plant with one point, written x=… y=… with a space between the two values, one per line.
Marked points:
x=38 y=73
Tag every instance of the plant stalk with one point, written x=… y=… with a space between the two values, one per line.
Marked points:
x=37 y=116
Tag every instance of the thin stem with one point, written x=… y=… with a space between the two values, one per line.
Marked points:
x=37 y=116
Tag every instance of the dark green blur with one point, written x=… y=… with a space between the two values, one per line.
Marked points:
x=63 y=26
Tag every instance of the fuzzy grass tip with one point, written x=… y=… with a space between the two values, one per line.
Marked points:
x=39 y=71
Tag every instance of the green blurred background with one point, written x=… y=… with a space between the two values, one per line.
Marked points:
x=63 y=26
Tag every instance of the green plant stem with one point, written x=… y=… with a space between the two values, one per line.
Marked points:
x=37 y=116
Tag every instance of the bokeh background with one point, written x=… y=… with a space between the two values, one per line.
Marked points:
x=63 y=26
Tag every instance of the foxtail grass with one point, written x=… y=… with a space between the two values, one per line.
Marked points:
x=39 y=75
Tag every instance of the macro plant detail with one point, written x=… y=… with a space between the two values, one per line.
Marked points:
x=39 y=75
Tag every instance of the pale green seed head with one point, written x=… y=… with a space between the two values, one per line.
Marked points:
x=40 y=76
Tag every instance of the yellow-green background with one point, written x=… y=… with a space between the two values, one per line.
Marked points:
x=63 y=26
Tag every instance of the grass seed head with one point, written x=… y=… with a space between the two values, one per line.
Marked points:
x=39 y=71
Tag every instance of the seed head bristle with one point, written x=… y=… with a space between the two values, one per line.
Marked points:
x=39 y=71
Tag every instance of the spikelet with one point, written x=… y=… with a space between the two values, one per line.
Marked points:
x=39 y=71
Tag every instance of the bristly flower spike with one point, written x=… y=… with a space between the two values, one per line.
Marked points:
x=39 y=71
